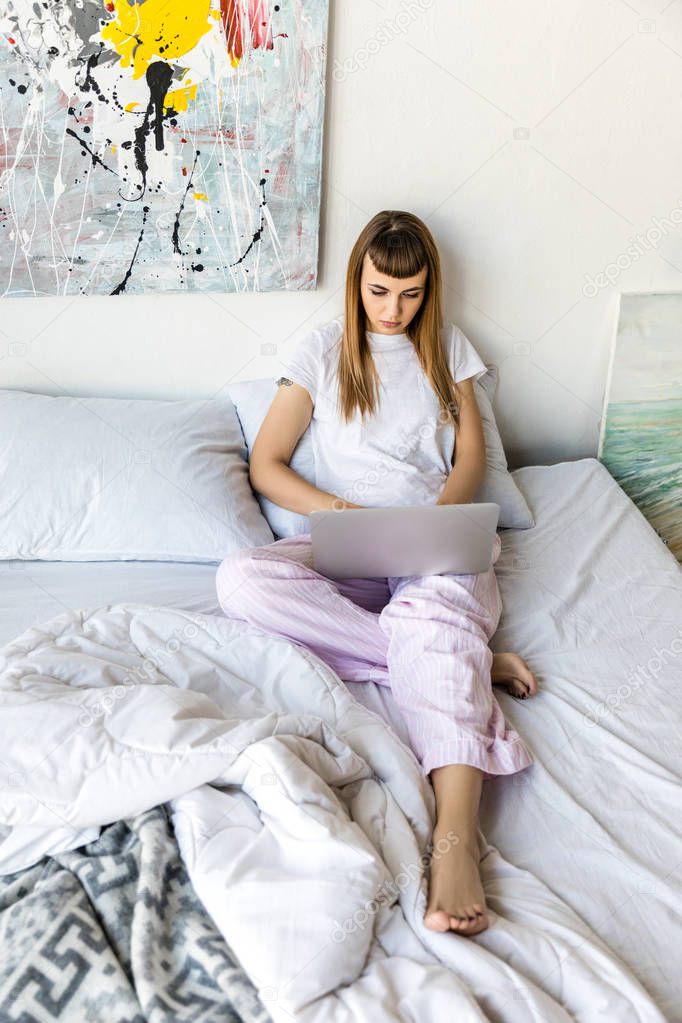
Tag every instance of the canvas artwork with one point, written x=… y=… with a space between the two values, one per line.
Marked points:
x=160 y=145
x=641 y=435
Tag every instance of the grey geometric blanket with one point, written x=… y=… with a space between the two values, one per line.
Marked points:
x=113 y=932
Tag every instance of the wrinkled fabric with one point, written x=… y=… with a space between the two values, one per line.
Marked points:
x=424 y=636
x=302 y=819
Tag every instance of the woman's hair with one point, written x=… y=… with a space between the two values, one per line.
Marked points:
x=399 y=245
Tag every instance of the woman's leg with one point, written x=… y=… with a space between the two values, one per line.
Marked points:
x=439 y=665
x=439 y=662
x=275 y=588
x=456 y=898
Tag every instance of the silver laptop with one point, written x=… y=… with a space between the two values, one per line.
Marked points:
x=366 y=543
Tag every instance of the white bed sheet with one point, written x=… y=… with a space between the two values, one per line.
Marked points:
x=593 y=601
x=32 y=592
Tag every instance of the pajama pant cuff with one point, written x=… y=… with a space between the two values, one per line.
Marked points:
x=506 y=757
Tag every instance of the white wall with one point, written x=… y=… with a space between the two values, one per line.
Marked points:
x=540 y=141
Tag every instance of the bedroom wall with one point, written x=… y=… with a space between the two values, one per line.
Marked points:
x=540 y=143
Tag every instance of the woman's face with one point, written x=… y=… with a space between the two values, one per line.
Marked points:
x=390 y=302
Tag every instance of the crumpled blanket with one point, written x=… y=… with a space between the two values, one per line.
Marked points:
x=302 y=819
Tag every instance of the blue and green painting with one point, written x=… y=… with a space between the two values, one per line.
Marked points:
x=641 y=437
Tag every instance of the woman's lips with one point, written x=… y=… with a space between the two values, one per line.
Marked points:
x=385 y=323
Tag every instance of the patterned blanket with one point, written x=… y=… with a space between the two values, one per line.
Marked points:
x=113 y=932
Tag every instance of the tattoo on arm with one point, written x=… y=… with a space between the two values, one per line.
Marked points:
x=284 y=380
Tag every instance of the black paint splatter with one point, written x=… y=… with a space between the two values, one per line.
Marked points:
x=90 y=83
x=257 y=234
x=120 y=288
x=176 y=225
x=159 y=77
x=94 y=157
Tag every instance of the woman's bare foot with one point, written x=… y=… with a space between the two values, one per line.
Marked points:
x=512 y=672
x=456 y=901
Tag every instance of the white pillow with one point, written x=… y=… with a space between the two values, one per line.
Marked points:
x=498 y=484
x=108 y=479
x=252 y=399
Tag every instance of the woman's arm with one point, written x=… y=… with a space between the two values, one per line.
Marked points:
x=469 y=466
x=269 y=473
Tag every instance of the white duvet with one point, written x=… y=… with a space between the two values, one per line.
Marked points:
x=302 y=818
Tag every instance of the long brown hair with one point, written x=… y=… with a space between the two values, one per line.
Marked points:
x=399 y=245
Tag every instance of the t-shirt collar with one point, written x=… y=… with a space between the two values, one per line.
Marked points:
x=387 y=342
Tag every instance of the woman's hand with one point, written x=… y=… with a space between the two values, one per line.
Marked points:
x=340 y=505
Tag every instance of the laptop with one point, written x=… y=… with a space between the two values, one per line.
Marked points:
x=367 y=543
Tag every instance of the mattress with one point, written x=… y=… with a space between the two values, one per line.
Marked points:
x=593 y=601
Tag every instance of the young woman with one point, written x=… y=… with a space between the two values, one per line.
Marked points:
x=388 y=387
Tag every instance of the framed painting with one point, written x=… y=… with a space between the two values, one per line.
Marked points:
x=641 y=431
x=160 y=145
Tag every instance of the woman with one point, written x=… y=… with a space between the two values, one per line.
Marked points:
x=387 y=388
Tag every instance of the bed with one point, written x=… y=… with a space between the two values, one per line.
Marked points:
x=290 y=817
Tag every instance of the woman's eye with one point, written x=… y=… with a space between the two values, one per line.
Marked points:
x=379 y=294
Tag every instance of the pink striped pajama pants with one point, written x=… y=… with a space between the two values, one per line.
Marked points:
x=424 y=636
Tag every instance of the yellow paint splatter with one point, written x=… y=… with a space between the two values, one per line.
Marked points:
x=200 y=195
x=113 y=149
x=177 y=99
x=131 y=106
x=156 y=30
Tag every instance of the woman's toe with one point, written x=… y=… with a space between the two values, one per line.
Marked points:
x=518 y=689
x=469 y=925
x=437 y=920
x=459 y=923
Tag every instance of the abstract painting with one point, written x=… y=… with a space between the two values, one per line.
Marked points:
x=160 y=145
x=641 y=434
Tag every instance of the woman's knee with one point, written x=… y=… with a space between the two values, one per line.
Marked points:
x=470 y=603
x=234 y=572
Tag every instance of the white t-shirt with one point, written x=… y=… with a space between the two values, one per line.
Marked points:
x=402 y=455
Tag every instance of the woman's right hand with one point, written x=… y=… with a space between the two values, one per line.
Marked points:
x=340 y=505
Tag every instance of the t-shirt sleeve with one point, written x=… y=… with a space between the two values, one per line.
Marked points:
x=302 y=364
x=464 y=360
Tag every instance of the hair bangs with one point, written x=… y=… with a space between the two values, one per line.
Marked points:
x=397 y=253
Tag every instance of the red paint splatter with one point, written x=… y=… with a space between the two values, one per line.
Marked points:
x=110 y=7
x=280 y=179
x=12 y=41
x=243 y=18
x=184 y=172
x=183 y=140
